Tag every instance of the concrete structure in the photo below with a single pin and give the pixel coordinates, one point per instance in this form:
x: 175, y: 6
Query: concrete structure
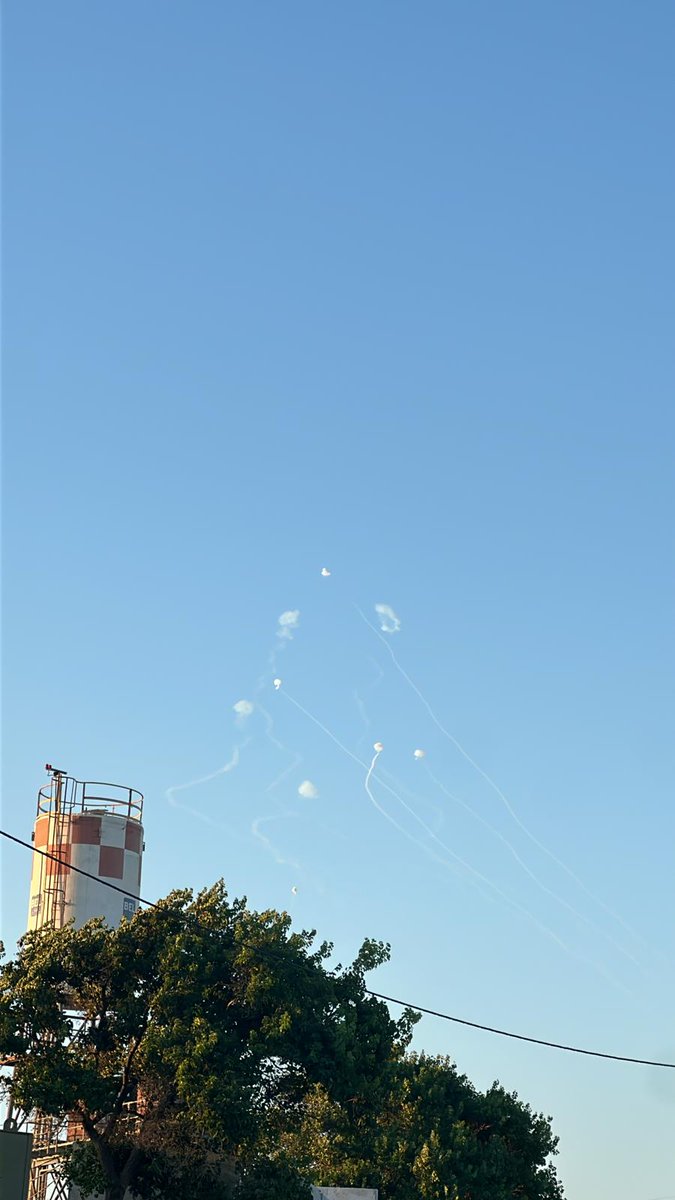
x: 15, y: 1151
x: 343, y: 1193
x: 95, y: 827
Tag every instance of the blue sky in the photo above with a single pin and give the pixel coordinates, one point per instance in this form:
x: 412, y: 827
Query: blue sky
x: 388, y: 289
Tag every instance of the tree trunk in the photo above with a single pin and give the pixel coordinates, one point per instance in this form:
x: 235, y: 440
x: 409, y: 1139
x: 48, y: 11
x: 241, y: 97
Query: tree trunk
x: 114, y: 1191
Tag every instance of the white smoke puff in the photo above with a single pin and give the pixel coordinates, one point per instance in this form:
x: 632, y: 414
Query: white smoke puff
x: 243, y: 708
x: 308, y: 789
x: 277, y: 684
x: 389, y: 622
x: 287, y: 622
x: 294, y: 891
x: 378, y: 747
x: 325, y: 572
x: 419, y: 753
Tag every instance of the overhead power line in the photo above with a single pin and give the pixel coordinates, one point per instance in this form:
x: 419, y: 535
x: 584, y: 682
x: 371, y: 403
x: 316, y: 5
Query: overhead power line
x: 520, y: 1037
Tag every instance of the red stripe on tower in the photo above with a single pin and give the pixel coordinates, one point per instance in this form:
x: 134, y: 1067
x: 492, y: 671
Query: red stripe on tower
x: 85, y: 830
x: 111, y: 862
x: 60, y: 850
x: 41, y: 832
x: 132, y: 837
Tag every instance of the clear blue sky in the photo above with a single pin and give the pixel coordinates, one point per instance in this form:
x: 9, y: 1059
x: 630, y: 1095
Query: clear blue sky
x: 386, y: 288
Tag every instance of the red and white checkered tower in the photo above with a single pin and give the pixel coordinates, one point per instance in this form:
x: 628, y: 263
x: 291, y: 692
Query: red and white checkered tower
x: 96, y: 827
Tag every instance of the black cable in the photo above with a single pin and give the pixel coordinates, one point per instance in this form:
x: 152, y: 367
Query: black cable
x: 521, y: 1037
x: 78, y: 870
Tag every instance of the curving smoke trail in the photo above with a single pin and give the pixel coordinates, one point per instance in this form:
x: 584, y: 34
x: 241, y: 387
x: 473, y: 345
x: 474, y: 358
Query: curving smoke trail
x: 229, y: 766
x: 528, y: 871
x: 269, y: 845
x: 495, y: 787
x: 283, y: 749
x: 360, y: 704
x: 448, y: 853
x: 182, y: 787
x: 369, y: 768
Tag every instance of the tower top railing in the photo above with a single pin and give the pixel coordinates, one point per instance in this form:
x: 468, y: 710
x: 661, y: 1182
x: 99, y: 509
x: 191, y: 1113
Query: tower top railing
x: 65, y: 796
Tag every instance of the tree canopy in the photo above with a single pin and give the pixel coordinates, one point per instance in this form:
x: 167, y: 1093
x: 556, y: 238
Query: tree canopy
x: 171, y: 1037
x: 435, y: 1137
x: 206, y: 1049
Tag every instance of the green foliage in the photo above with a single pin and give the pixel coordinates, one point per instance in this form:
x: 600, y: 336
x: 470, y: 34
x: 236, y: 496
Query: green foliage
x: 272, y: 1179
x: 435, y: 1137
x: 206, y: 1047
x: 180, y: 1173
x: 157, y: 1173
x: 221, y: 1019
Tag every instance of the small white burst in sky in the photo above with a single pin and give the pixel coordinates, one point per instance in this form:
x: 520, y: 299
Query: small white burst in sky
x: 287, y: 622
x: 419, y: 753
x: 325, y: 571
x: 277, y: 684
x: 378, y: 747
x: 294, y: 891
x: 308, y: 789
x: 389, y: 622
x: 243, y: 708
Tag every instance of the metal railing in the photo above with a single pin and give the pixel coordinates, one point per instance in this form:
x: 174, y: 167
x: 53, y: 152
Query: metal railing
x: 66, y: 795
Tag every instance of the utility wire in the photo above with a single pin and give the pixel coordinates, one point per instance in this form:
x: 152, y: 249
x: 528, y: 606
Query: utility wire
x: 521, y: 1037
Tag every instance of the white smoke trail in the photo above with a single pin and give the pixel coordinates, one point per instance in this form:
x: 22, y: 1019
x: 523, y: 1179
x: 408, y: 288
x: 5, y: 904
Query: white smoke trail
x: 415, y: 841
x: 207, y: 820
x: 360, y: 704
x: 427, y: 828
x: 283, y: 749
x: 287, y: 624
x: 229, y: 766
x: 269, y: 845
x: 285, y: 860
x: 535, y: 878
x: 284, y: 813
x: 491, y: 783
x: 514, y: 903
x: 345, y: 750
x: 437, y: 809
x: 366, y: 782
x: 364, y: 717
x: 194, y: 812
x: 383, y: 812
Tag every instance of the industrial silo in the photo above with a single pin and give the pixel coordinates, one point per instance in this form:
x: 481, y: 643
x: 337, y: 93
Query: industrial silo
x: 90, y: 827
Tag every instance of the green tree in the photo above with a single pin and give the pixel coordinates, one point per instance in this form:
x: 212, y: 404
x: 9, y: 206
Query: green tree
x: 434, y: 1137
x: 272, y: 1179
x: 180, y: 1037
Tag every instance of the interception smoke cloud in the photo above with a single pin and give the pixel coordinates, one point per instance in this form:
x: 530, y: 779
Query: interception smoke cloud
x: 389, y: 622
x: 243, y: 708
x: 308, y: 789
x: 287, y: 622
